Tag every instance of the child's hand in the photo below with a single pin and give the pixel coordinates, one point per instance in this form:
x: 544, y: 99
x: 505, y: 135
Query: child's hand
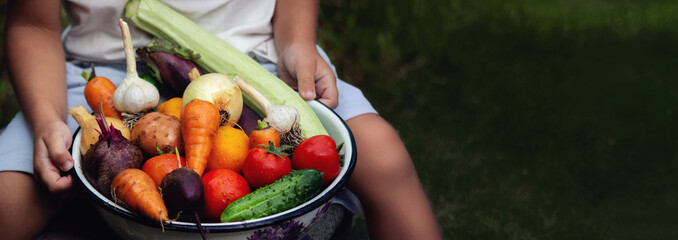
x: 52, y: 141
x: 302, y: 67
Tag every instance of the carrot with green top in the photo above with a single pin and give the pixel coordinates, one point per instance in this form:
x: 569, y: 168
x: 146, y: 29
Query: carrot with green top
x: 100, y: 90
x: 263, y: 134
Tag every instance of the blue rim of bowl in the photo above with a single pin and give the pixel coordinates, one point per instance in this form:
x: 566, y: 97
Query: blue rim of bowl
x: 247, y: 225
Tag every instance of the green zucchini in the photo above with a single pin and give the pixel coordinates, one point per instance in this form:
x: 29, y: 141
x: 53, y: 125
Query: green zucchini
x: 283, y: 194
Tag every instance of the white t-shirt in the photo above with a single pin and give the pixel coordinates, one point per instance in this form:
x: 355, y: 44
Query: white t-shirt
x: 93, y: 34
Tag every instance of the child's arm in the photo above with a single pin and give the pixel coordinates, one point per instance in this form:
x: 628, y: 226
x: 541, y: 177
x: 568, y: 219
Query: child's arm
x: 299, y: 63
x: 36, y: 64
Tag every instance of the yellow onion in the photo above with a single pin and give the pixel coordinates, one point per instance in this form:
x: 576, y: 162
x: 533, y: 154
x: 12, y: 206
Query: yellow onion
x: 221, y: 91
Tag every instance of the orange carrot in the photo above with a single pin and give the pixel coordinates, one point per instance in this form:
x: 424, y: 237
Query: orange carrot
x: 100, y: 90
x: 199, y: 124
x: 138, y: 192
x: 263, y: 134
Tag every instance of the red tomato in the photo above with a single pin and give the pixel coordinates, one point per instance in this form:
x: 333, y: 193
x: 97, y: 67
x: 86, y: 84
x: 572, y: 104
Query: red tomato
x: 320, y: 153
x: 264, y: 165
x: 222, y: 186
x: 159, y: 166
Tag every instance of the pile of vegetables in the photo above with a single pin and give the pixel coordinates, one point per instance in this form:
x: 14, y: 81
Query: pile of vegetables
x: 217, y: 151
x: 218, y: 56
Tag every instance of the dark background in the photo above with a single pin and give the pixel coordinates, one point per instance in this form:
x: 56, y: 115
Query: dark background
x: 526, y: 119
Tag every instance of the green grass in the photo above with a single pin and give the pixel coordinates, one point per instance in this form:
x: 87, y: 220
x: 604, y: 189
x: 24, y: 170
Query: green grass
x: 526, y: 119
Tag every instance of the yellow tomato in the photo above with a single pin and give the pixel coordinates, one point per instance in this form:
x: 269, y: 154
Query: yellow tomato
x: 171, y: 107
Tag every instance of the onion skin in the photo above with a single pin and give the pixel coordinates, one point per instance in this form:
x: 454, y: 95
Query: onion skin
x: 218, y: 89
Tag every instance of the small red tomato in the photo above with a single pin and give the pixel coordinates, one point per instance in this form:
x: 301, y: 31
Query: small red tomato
x: 222, y: 186
x: 264, y: 165
x: 320, y: 153
x: 159, y: 166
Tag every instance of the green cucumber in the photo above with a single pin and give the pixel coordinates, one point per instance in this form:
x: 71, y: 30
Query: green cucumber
x: 283, y: 194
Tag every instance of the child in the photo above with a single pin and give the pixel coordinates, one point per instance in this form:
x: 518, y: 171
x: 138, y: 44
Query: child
x: 45, y: 67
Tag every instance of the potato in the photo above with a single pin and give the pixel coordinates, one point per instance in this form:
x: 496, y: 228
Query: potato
x: 157, y: 129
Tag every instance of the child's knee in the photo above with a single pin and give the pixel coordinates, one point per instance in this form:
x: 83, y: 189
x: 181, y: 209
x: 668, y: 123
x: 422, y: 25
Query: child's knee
x: 381, y: 153
x: 26, y: 213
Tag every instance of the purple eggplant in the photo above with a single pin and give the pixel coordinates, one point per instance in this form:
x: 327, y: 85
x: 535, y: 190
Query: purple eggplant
x: 248, y: 119
x: 169, y: 63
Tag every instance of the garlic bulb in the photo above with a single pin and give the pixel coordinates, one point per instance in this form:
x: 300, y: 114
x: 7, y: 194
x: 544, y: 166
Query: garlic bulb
x: 134, y: 95
x: 284, y: 118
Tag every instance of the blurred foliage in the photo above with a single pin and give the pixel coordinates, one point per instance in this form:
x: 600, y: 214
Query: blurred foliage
x: 8, y: 104
x: 526, y: 119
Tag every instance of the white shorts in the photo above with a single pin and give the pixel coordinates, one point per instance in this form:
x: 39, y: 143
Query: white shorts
x: 16, y: 143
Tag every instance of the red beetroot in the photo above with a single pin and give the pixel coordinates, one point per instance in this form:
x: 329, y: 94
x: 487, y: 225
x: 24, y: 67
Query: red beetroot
x: 183, y: 192
x: 184, y: 195
x: 108, y: 157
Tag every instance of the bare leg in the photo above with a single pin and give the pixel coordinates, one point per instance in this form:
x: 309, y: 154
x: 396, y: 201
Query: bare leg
x: 387, y: 184
x: 23, y: 206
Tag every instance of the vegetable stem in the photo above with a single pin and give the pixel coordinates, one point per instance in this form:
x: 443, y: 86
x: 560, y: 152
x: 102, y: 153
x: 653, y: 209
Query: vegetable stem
x: 129, y: 50
x: 176, y: 151
x: 105, y: 128
x: 253, y: 93
x: 193, y: 74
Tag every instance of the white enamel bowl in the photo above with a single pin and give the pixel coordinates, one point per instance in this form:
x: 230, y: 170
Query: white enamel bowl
x: 129, y: 225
